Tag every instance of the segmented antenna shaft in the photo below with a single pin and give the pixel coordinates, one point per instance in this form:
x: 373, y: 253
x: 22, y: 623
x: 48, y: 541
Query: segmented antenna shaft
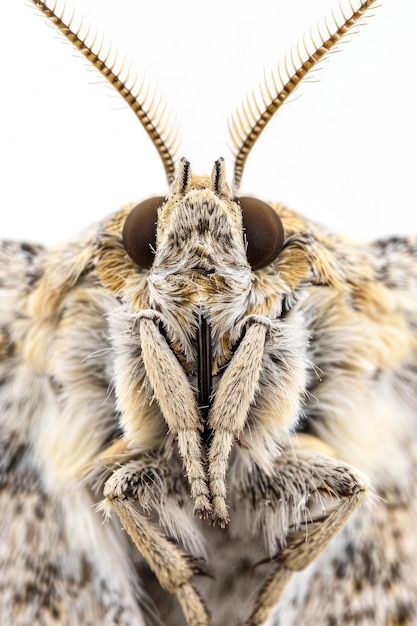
x: 163, y: 146
x: 249, y: 121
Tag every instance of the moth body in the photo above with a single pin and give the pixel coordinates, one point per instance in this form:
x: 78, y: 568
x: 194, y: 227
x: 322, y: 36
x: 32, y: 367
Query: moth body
x: 207, y: 407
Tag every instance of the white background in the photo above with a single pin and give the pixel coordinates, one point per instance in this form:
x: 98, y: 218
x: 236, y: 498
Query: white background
x: 343, y: 151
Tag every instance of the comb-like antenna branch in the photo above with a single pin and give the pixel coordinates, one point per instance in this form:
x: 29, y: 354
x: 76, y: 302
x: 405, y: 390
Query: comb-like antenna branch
x: 163, y: 140
x: 249, y: 120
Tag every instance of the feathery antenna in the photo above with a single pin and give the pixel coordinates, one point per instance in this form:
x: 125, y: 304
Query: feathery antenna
x: 251, y: 118
x: 145, y: 105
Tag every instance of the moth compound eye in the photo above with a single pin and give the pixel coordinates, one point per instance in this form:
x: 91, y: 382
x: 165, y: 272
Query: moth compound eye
x: 264, y: 232
x: 139, y: 231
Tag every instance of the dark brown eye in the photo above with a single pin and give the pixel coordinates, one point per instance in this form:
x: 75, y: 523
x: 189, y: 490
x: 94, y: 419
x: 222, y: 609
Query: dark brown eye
x: 264, y: 232
x: 139, y: 231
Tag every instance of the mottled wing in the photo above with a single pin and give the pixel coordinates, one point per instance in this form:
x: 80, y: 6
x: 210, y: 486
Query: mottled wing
x: 367, y: 574
x: 396, y: 261
x: 58, y: 563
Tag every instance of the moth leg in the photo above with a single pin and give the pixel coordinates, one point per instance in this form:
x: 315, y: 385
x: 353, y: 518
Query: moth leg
x: 179, y: 408
x: 316, y: 494
x: 234, y: 395
x: 173, y: 567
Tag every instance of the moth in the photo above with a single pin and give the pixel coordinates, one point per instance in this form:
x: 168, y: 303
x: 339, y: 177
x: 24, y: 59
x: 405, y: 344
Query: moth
x: 208, y: 402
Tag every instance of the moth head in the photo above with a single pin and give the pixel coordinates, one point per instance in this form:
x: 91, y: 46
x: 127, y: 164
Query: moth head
x: 262, y: 229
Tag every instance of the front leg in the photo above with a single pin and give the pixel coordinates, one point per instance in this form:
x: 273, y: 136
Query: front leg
x: 298, y: 510
x: 135, y: 484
